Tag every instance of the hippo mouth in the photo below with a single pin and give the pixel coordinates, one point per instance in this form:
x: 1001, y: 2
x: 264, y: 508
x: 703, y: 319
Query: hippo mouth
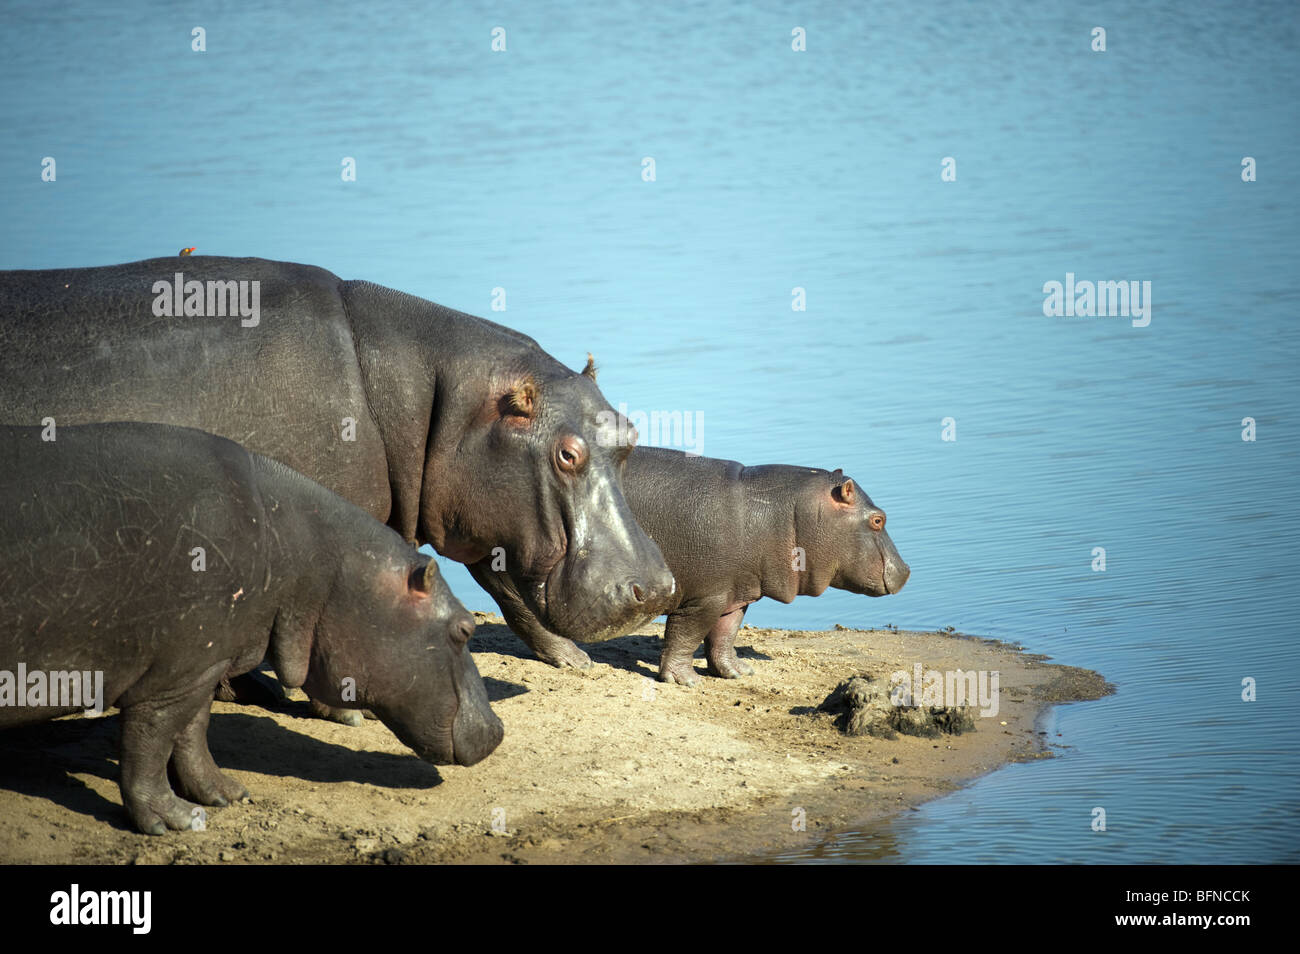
x: 874, y: 586
x: 885, y: 576
x: 618, y: 627
x: 471, y: 735
x: 463, y: 744
x: 440, y: 751
x: 448, y: 752
x: 537, y: 586
x: 879, y: 586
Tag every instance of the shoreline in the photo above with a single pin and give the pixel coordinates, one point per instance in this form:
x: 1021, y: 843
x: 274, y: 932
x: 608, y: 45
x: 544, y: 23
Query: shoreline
x: 605, y: 765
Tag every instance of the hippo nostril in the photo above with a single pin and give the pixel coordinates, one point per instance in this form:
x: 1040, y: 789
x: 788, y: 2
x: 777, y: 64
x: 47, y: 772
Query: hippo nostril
x: 638, y: 594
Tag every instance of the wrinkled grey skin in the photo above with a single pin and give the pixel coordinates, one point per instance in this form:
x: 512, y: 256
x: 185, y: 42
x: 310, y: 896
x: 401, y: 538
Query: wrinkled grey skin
x: 729, y: 534
x: 97, y: 573
x: 440, y: 453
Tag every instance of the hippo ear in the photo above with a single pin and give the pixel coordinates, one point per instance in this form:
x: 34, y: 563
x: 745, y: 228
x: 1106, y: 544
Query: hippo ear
x: 845, y: 493
x: 590, y: 369
x: 424, y: 579
x: 521, y: 400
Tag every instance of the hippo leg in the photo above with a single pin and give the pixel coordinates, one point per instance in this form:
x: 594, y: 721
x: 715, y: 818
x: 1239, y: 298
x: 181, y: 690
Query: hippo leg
x: 150, y: 729
x: 352, y: 717
x: 251, y: 689
x: 553, y: 649
x: 550, y: 647
x: 721, y: 651
x: 258, y: 689
x: 194, y: 773
x: 682, y: 636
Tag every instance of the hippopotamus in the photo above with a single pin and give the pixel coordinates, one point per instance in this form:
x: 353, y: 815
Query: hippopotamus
x: 732, y: 535
x: 455, y: 431
x: 155, y: 560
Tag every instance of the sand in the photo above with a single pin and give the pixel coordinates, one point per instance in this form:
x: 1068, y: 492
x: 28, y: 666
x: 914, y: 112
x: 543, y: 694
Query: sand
x: 605, y: 765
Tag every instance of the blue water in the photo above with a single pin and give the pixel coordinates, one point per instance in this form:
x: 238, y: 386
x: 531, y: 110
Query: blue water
x: 820, y: 169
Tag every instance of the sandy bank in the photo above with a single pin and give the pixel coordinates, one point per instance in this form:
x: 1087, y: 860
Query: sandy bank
x: 604, y: 765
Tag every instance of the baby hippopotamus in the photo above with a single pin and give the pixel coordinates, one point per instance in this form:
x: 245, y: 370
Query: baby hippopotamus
x: 732, y: 535
x: 141, y: 563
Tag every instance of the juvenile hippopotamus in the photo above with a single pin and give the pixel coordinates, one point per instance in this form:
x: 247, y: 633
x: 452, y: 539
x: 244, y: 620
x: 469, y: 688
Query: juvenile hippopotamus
x: 455, y: 431
x: 157, y: 560
x: 731, y: 535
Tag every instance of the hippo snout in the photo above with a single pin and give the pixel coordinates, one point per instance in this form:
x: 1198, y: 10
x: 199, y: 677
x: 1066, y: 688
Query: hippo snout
x: 476, y: 731
x: 896, y: 574
x: 636, y: 600
x: 649, y: 592
x: 476, y: 734
x: 625, y: 595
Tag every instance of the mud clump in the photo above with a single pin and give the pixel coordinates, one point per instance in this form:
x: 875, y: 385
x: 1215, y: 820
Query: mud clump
x: 863, y: 706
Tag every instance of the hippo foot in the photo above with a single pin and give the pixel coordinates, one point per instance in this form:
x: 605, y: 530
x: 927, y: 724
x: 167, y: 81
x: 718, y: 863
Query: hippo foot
x: 565, y: 657
x: 352, y: 717
x: 213, y: 787
x: 683, y: 673
x: 251, y: 689
x: 154, y: 816
x: 730, y: 667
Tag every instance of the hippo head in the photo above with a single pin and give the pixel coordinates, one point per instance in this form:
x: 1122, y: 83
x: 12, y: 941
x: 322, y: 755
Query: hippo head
x: 548, y: 519
x: 847, y: 539
x: 392, y: 632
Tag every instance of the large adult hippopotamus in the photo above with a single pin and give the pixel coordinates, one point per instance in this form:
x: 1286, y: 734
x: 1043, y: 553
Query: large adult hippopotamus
x: 140, y: 563
x: 453, y: 430
x: 732, y: 535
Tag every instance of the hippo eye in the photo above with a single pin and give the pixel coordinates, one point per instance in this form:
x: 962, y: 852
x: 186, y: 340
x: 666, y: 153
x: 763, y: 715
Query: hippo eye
x: 876, y: 521
x: 570, y: 454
